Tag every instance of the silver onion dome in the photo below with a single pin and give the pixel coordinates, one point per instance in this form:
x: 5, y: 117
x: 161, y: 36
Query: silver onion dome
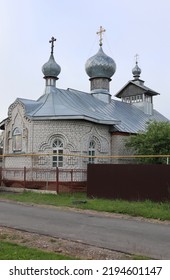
x: 136, y: 71
x: 51, y: 68
x: 100, y: 65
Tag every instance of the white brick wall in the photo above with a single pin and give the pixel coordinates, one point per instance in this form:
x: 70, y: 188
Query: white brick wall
x: 118, y: 148
x: 38, y: 137
x: 75, y: 136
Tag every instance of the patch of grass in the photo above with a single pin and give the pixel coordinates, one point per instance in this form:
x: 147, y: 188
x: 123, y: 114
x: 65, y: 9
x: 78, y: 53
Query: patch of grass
x: 63, y: 199
x: 10, y: 251
x: 147, y: 209
x: 136, y: 257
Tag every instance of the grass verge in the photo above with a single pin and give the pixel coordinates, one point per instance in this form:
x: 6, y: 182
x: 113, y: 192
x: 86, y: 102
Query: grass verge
x: 12, y: 251
x: 146, y: 209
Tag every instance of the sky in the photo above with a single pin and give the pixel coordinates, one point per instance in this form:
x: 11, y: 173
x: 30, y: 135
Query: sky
x: 132, y: 27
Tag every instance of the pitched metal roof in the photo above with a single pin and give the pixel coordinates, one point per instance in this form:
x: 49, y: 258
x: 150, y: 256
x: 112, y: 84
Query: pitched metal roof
x: 67, y: 104
x: 132, y: 118
x: 73, y: 104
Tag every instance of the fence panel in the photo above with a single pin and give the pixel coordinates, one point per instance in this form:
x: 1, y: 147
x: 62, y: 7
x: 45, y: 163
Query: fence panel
x: 48, y: 179
x: 129, y: 182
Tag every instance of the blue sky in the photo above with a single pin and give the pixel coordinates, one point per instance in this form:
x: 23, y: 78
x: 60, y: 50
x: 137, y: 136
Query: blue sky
x: 132, y: 27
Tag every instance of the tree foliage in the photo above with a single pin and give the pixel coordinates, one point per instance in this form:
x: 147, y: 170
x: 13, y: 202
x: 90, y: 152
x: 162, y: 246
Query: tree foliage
x: 154, y: 141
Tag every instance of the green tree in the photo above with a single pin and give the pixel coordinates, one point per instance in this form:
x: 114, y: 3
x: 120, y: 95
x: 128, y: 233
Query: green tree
x: 154, y: 141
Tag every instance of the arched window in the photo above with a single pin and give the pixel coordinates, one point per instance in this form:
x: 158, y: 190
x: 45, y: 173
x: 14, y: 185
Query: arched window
x: 92, y: 145
x: 58, y: 150
x: 17, y: 140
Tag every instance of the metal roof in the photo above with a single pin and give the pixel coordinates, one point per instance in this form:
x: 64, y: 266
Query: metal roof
x: 132, y: 118
x: 73, y: 104
x: 67, y: 104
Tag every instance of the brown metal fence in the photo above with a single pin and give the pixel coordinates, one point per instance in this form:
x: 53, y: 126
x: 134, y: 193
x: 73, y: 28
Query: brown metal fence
x: 60, y: 180
x: 129, y: 182
x: 100, y: 183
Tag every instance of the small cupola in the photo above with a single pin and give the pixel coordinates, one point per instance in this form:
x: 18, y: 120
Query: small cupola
x: 51, y: 69
x: 136, y: 71
x: 100, y: 68
x: 136, y: 93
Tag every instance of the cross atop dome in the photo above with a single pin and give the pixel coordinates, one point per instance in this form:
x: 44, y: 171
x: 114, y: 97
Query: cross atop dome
x: 136, y: 58
x: 51, y: 69
x: 100, y: 33
x: 136, y: 71
x: 100, y: 68
x: 52, y: 44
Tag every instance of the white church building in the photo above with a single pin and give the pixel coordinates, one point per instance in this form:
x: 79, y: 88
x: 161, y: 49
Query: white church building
x: 69, y: 124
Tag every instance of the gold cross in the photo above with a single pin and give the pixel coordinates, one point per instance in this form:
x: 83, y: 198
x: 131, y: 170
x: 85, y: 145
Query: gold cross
x: 52, y: 43
x: 102, y: 30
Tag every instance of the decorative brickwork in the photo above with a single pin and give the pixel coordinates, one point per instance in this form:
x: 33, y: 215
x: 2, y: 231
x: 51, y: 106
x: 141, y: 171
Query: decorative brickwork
x: 38, y: 138
x: 119, y: 149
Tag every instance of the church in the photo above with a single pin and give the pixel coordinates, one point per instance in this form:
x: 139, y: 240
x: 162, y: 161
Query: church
x: 69, y: 128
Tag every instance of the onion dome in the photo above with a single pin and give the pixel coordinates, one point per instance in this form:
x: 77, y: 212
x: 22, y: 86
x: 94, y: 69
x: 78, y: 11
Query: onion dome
x: 136, y: 71
x: 51, y: 68
x: 100, y: 65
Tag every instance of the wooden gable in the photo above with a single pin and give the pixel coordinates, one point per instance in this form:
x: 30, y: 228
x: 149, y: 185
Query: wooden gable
x: 130, y: 90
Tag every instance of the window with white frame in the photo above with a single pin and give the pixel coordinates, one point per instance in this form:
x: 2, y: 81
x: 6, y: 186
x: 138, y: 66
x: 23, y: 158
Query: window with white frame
x: 17, y: 140
x: 127, y: 99
x: 57, y: 159
x: 139, y: 98
x: 92, y: 151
